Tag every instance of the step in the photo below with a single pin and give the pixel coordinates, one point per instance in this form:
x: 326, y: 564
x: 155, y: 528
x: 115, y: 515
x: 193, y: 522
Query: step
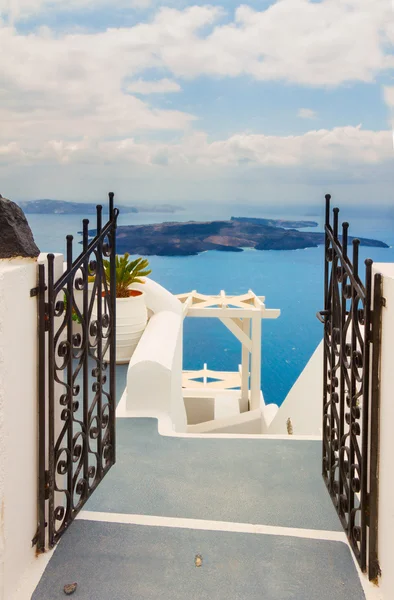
x: 248, y: 423
x: 226, y: 405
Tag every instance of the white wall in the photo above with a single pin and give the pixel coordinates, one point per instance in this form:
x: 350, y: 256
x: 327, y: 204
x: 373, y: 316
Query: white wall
x: 18, y: 421
x: 303, y: 404
x: 154, y: 376
x: 386, y: 454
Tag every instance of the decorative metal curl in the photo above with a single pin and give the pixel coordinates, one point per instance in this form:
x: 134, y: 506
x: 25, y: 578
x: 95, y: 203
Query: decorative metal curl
x: 347, y: 365
x: 79, y: 341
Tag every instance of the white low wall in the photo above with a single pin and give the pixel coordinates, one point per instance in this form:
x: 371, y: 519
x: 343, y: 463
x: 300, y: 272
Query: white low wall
x: 158, y: 298
x: 154, y: 376
x: 303, y: 404
x: 386, y: 451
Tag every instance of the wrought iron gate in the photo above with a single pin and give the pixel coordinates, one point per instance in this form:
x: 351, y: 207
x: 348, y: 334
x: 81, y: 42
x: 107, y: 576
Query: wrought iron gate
x: 352, y: 324
x: 76, y: 377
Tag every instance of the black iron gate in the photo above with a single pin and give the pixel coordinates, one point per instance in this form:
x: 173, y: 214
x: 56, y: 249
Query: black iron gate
x: 76, y: 377
x: 352, y: 324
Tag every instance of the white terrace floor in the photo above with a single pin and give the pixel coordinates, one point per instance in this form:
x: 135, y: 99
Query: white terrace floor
x: 255, y: 510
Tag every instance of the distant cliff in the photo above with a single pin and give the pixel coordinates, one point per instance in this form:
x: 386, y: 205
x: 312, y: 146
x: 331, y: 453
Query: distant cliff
x: 277, y: 222
x: 188, y: 239
x: 60, y: 207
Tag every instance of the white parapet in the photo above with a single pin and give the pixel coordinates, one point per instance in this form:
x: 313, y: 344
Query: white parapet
x: 386, y: 446
x: 158, y: 298
x: 154, y: 377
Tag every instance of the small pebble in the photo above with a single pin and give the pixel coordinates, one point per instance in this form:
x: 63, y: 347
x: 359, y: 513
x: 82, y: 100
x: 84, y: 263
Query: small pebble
x: 70, y: 588
x: 198, y: 560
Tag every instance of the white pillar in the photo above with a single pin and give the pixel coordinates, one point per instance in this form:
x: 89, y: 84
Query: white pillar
x: 386, y: 448
x: 18, y: 420
x: 245, y: 365
x: 255, y: 369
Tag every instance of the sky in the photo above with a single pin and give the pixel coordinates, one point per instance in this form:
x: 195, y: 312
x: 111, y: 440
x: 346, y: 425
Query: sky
x: 262, y: 102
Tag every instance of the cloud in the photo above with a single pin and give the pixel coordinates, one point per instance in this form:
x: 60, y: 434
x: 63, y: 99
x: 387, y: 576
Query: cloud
x: 307, y: 113
x: 163, y: 86
x: 66, y: 98
x: 72, y: 85
x: 317, y: 44
x: 341, y: 147
x: 18, y: 10
x: 388, y: 94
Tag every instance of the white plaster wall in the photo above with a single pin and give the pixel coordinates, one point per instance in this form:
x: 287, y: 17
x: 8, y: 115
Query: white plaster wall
x: 158, y: 298
x: 154, y: 377
x: 199, y: 410
x: 248, y: 423
x: 303, y: 404
x: 18, y: 421
x: 386, y: 454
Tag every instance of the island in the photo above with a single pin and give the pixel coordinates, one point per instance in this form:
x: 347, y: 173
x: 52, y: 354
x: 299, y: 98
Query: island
x: 277, y: 222
x: 60, y: 207
x: 192, y: 238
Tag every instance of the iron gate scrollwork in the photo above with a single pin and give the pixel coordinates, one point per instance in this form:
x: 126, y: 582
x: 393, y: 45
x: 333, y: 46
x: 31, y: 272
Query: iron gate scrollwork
x: 351, y: 320
x: 77, y: 328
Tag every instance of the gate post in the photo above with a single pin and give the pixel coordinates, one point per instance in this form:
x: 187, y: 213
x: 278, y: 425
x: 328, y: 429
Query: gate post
x: 383, y: 475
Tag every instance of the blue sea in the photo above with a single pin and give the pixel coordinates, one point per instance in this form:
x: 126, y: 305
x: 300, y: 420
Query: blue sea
x: 290, y: 280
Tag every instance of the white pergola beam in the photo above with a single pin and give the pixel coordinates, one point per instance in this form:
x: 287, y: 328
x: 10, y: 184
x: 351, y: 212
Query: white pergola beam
x: 187, y: 304
x: 271, y: 313
x: 238, y: 332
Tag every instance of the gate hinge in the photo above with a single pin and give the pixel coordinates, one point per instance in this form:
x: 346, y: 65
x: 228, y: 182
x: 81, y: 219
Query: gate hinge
x: 46, y: 485
x: 36, y: 290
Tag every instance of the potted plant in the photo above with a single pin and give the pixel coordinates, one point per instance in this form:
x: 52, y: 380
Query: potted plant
x: 131, y: 309
x: 77, y: 326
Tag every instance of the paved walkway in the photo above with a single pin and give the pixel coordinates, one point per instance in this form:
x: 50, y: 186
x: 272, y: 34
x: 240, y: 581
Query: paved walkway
x: 130, y: 562
x: 272, y: 482
x: 169, y: 499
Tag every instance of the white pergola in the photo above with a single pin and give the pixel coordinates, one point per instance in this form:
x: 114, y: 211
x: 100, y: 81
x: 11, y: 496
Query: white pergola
x: 242, y: 315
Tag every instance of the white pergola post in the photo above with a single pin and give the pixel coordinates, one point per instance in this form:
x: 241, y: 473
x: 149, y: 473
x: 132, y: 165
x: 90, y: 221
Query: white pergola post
x: 245, y: 364
x: 255, y: 368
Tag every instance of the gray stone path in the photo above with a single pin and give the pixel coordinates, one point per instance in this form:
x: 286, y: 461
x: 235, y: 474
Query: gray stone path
x: 269, y: 482
x: 131, y: 562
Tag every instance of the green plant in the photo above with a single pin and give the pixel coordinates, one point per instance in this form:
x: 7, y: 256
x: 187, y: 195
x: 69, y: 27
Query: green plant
x: 127, y: 273
x: 74, y: 314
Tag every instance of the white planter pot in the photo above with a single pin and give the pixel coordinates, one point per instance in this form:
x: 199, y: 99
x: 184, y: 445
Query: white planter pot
x: 131, y: 320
